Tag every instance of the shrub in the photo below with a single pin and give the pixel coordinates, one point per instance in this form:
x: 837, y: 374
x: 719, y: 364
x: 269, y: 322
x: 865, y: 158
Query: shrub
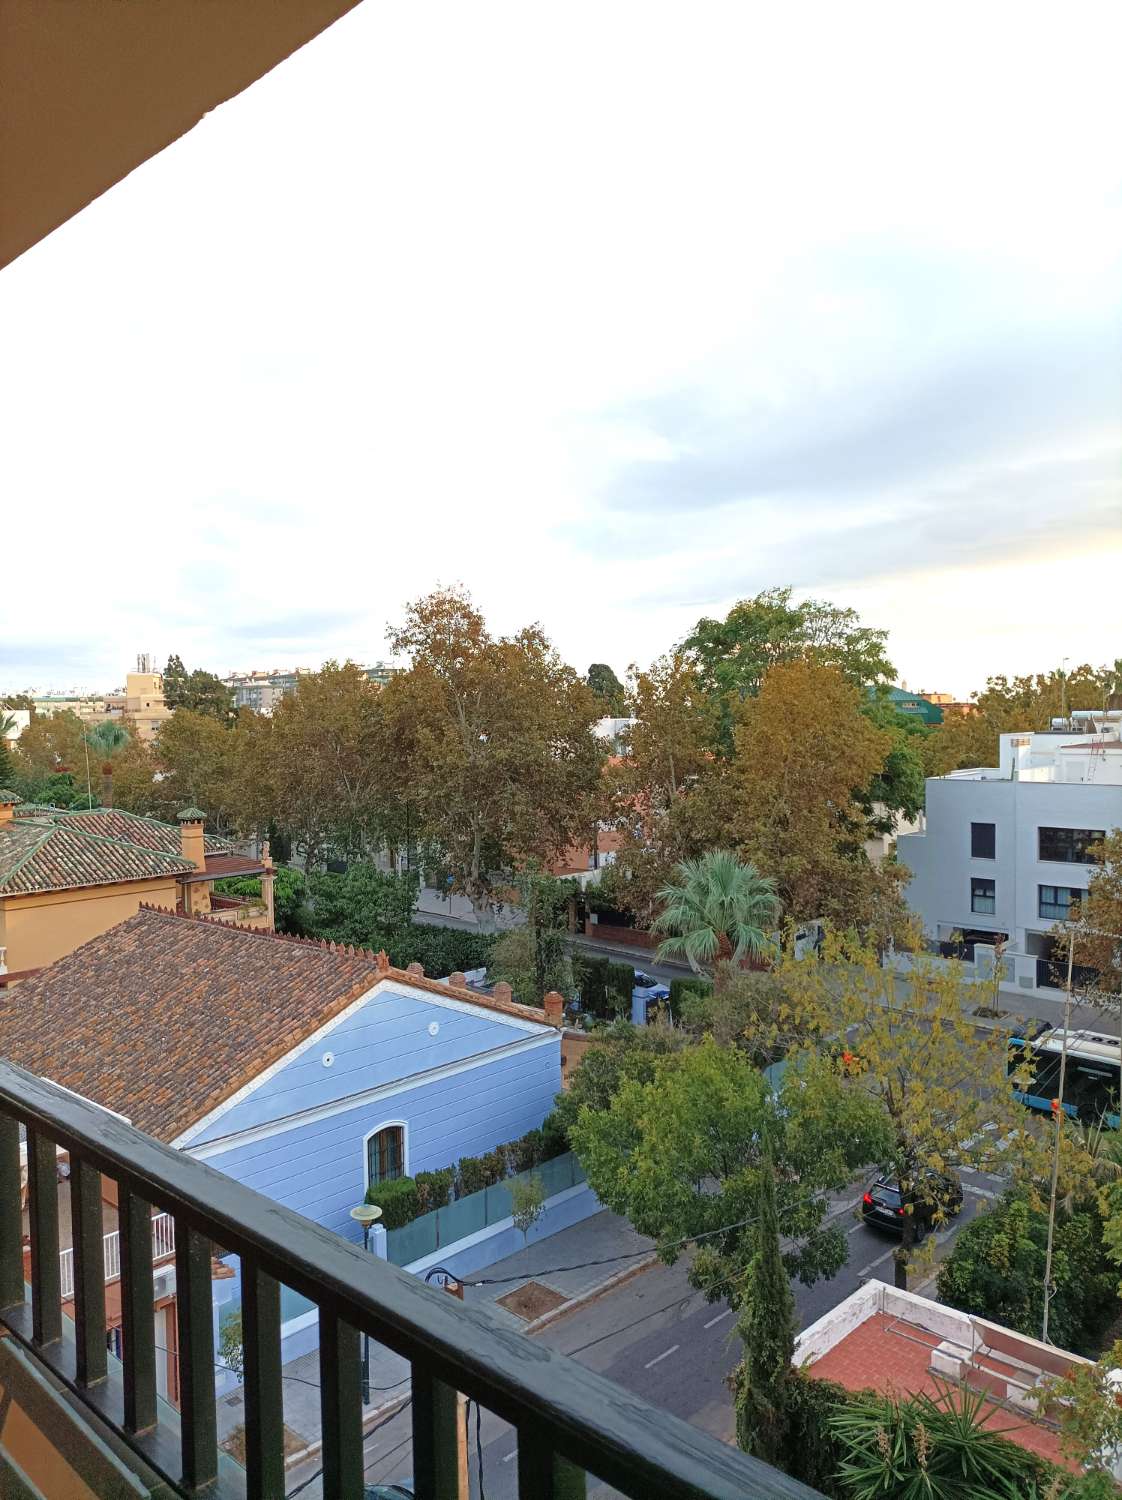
x: 495, y: 1165
x: 680, y: 988
x: 526, y: 1152
x: 936, y: 1446
x: 555, y: 1138
x: 434, y: 1189
x: 398, y: 1200
x: 471, y: 1176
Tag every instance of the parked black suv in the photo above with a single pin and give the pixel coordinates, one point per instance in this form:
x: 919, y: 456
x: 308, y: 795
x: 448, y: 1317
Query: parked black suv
x: 883, y: 1206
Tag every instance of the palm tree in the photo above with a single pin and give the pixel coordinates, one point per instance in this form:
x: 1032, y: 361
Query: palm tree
x: 718, y: 909
x: 104, y: 739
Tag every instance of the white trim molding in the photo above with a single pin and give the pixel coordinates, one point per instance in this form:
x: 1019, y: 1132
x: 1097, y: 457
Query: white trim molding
x: 395, y: 987
x: 251, y: 1133
x: 403, y: 1126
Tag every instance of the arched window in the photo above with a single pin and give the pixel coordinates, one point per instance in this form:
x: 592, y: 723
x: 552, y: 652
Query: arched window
x: 385, y: 1154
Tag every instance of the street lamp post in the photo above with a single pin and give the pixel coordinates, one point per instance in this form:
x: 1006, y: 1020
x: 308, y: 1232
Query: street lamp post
x: 366, y: 1214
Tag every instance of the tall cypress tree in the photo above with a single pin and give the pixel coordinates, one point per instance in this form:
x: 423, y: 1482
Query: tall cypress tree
x: 767, y: 1328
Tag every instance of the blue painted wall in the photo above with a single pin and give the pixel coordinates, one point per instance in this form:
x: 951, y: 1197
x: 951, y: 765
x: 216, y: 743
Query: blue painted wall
x: 318, y: 1167
x: 385, y: 1040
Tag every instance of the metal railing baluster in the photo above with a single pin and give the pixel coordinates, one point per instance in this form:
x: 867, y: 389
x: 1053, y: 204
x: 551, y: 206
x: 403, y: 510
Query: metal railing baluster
x: 340, y: 1395
x: 264, y: 1396
x: 11, y: 1215
x: 198, y: 1417
x: 138, y: 1329
x: 89, y: 1272
x: 46, y: 1276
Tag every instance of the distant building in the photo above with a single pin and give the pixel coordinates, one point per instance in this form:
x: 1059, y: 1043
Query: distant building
x: 1006, y: 848
x: 142, y: 702
x: 261, y: 691
x: 912, y: 704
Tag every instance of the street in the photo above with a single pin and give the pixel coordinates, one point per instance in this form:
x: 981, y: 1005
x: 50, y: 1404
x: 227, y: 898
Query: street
x: 657, y: 1337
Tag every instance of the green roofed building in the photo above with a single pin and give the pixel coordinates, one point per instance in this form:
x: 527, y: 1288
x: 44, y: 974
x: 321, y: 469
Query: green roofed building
x: 911, y: 703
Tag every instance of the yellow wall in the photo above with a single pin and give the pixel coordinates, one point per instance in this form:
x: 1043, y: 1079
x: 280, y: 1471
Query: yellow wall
x: 37, y: 929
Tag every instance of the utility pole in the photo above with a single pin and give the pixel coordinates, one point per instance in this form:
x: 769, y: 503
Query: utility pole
x: 1058, y: 1111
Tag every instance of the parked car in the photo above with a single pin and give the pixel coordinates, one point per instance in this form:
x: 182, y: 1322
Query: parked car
x: 647, y: 988
x: 402, y: 1491
x: 883, y: 1205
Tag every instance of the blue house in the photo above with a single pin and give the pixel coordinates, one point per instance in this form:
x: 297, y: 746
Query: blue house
x: 306, y: 1071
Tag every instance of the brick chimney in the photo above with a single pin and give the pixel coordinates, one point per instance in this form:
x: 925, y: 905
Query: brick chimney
x: 554, y: 1005
x: 8, y: 802
x: 196, y: 893
x: 267, y: 880
x: 107, y: 784
x: 191, y: 821
x: 502, y: 992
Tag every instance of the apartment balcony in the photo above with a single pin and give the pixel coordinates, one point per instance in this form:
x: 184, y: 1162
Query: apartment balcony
x: 76, y: 1421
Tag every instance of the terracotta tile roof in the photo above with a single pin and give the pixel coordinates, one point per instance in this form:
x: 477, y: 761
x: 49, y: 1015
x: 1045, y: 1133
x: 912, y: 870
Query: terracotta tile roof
x: 40, y: 854
x: 114, y: 823
x: 163, y: 1017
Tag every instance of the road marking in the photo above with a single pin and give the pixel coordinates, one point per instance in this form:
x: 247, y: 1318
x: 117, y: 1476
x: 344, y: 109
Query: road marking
x: 666, y: 1353
x: 507, y: 1458
x: 712, y: 1323
x: 864, y: 1271
x: 859, y: 1225
x: 978, y: 1192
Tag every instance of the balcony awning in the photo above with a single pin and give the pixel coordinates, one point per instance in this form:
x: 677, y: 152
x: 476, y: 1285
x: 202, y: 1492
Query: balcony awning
x: 89, y: 90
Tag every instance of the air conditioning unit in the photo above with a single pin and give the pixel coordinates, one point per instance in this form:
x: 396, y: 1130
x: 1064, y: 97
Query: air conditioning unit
x: 163, y: 1284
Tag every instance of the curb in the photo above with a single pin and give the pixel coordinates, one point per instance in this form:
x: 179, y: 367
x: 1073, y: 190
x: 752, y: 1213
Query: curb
x: 370, y: 1419
x: 617, y: 1278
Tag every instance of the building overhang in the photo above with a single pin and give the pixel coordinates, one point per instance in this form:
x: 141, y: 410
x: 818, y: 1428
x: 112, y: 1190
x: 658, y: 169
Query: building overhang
x: 90, y: 89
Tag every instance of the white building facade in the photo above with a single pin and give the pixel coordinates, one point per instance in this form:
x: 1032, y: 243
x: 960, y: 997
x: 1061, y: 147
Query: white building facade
x: 1005, y: 850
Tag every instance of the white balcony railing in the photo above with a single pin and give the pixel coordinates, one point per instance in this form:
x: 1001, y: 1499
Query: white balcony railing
x: 163, y: 1245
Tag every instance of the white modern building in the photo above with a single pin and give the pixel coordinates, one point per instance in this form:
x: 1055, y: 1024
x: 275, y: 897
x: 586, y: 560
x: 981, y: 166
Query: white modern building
x: 1005, y: 850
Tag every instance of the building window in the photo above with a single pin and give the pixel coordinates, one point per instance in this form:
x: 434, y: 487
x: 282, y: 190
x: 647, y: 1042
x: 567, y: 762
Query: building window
x: 1055, y: 901
x: 983, y: 840
x: 1069, y: 846
x: 385, y: 1154
x: 982, y: 896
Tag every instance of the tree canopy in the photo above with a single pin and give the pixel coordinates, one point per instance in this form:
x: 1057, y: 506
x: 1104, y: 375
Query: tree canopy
x: 607, y: 687
x: 909, y: 1045
x: 200, y: 692
x: 681, y: 1152
x: 490, y: 739
x: 733, y: 655
x: 805, y: 757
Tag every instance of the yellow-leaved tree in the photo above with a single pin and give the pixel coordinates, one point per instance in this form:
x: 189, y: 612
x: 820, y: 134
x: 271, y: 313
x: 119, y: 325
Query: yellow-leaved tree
x: 912, y: 1044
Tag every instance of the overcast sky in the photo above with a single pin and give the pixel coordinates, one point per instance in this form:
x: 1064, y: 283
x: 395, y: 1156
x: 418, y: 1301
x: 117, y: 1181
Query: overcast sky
x: 614, y: 313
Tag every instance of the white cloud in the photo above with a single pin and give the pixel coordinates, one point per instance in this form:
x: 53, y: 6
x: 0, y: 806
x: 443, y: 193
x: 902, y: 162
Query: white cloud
x: 403, y: 311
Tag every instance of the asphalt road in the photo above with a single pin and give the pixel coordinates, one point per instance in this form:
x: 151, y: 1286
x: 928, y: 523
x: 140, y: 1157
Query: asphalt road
x: 658, y: 1338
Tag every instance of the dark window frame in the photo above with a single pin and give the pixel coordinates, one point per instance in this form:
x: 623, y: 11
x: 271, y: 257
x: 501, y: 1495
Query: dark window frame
x: 1067, y: 846
x: 1056, y: 911
x: 991, y: 840
x: 385, y: 1155
x: 977, y: 894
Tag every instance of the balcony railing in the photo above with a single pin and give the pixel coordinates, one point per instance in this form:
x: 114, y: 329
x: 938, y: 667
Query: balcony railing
x: 570, y: 1421
x: 163, y: 1246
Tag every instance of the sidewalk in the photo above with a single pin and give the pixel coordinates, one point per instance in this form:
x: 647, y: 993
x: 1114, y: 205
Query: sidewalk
x: 603, y: 1236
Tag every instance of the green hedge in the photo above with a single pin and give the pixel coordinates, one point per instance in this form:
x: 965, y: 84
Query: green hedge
x: 606, y: 988
x: 679, y: 988
x: 405, y: 1198
x: 398, y: 1199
